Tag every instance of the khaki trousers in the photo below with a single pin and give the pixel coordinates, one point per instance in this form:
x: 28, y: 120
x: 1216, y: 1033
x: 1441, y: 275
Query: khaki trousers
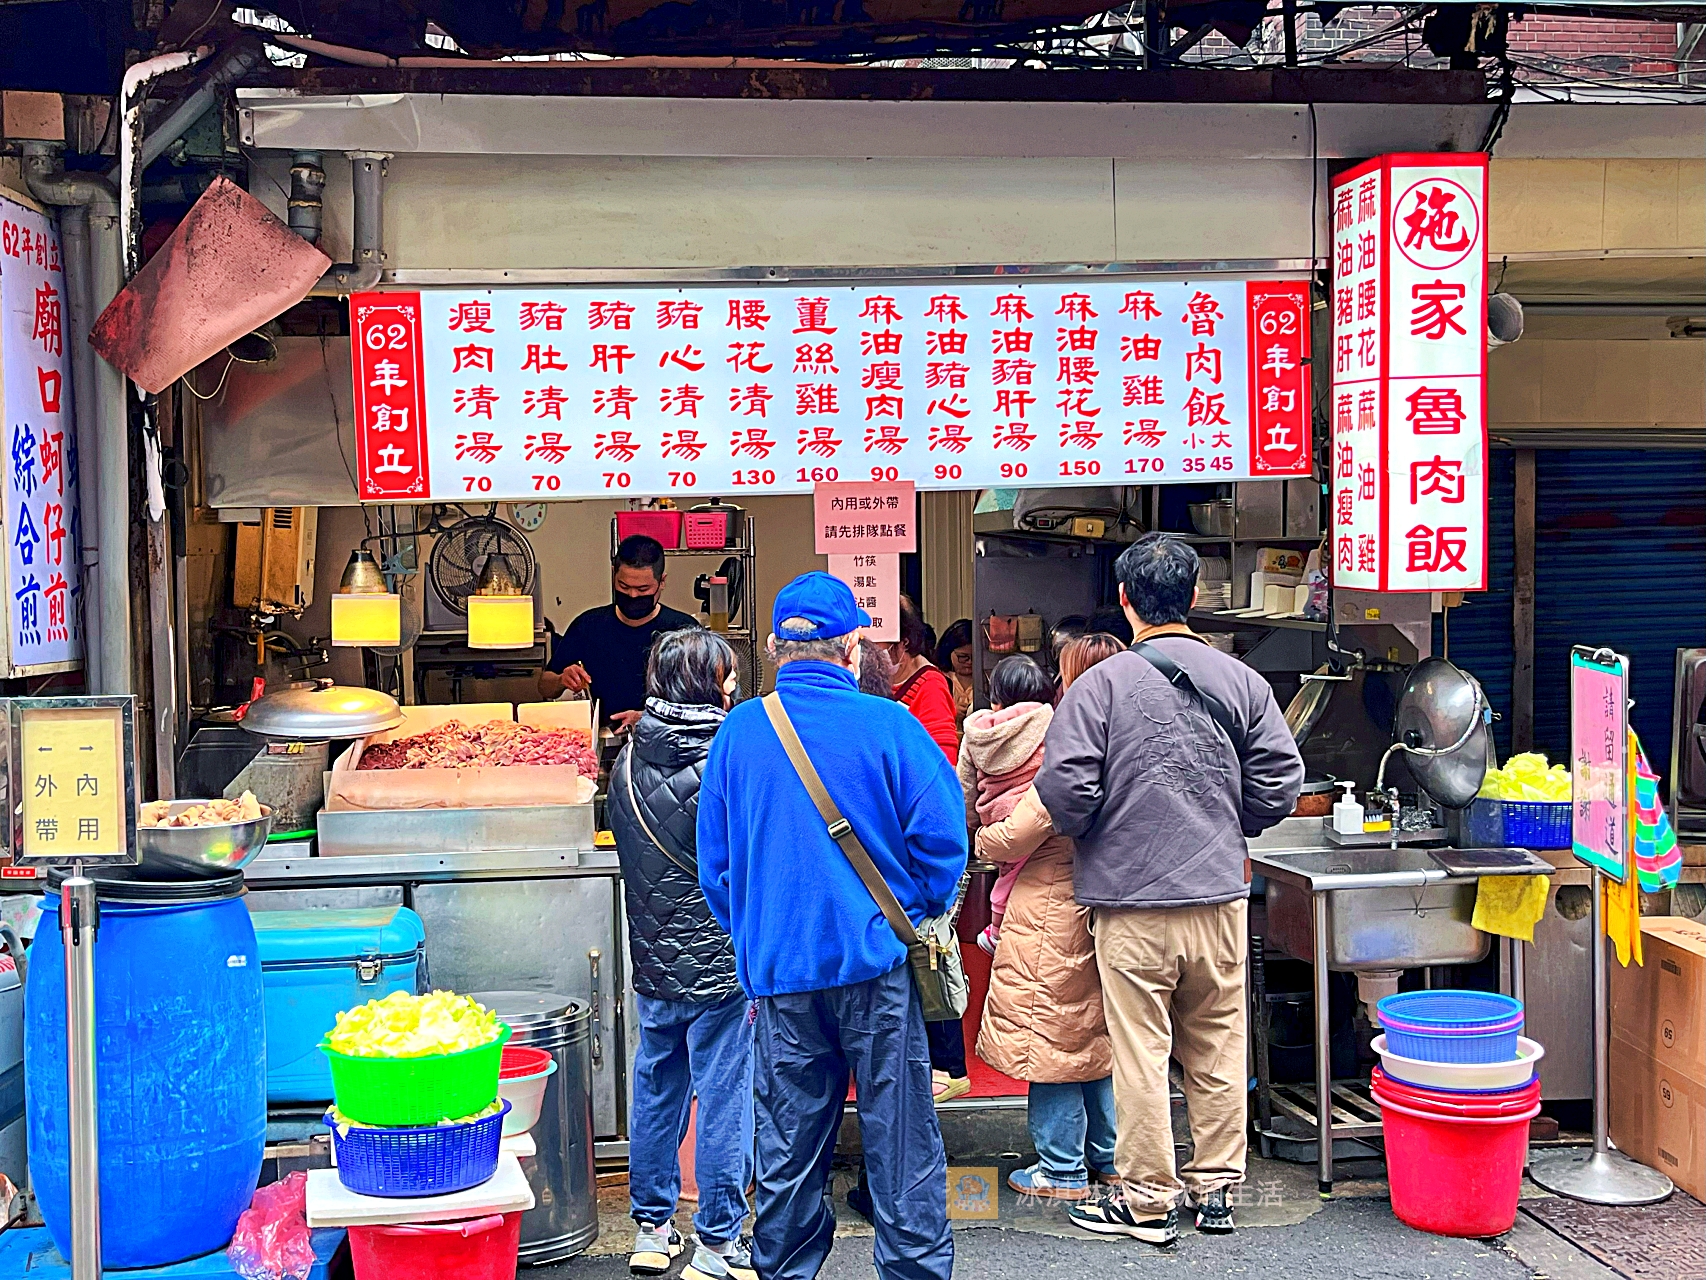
x: 1173, y: 985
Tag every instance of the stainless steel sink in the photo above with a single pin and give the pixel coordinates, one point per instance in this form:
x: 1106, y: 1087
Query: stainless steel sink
x: 1386, y: 908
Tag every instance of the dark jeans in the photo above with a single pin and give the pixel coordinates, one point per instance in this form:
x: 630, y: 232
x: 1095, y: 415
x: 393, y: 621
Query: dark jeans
x: 806, y: 1047
x: 947, y: 1047
x: 687, y: 1049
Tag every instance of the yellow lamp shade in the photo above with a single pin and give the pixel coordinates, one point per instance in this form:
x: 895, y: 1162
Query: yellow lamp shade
x: 366, y: 618
x: 500, y: 622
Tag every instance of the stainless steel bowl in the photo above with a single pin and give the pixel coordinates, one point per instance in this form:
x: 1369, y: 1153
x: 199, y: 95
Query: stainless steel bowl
x: 204, y: 852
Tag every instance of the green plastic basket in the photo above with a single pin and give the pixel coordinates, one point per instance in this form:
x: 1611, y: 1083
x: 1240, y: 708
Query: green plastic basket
x: 397, y: 1092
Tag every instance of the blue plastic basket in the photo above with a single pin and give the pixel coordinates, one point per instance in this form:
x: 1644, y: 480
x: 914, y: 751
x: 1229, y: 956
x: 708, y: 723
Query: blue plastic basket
x: 429, y: 1160
x: 1450, y: 1010
x: 1537, y: 824
x: 1451, y: 1026
x: 1523, y: 824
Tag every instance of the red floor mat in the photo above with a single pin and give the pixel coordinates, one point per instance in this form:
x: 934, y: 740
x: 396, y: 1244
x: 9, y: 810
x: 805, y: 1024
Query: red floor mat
x: 986, y: 1081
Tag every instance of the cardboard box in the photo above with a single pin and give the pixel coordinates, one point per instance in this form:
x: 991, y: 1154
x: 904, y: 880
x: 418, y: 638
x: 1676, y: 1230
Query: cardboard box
x: 1658, y: 1116
x: 1659, y: 1008
x: 350, y: 788
x: 1279, y: 560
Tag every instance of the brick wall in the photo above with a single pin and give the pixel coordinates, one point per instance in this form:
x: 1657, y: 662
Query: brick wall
x: 1603, y: 44
x: 1591, y: 46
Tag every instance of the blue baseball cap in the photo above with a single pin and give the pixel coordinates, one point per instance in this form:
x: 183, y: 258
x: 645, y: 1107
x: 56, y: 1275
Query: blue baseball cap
x: 825, y: 602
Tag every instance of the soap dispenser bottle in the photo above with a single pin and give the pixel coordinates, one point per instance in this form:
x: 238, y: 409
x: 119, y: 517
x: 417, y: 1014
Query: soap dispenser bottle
x: 1347, y: 813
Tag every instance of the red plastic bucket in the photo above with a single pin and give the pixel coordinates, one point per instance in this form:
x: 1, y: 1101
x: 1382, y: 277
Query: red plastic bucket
x: 478, y: 1249
x: 1447, y: 1102
x: 1454, y: 1175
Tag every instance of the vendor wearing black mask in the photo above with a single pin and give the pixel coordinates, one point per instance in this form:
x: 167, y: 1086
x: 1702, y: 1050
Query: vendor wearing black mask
x: 605, y: 648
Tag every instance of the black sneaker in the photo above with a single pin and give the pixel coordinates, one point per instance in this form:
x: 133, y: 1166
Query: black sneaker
x: 1113, y: 1217
x: 1214, y: 1213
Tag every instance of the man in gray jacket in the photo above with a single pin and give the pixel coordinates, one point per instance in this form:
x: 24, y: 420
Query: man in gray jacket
x: 1160, y: 761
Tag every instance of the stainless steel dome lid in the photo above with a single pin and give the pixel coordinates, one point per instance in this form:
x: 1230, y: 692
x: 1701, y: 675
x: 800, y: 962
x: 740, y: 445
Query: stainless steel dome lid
x: 1441, y: 722
x: 318, y: 711
x: 522, y: 1009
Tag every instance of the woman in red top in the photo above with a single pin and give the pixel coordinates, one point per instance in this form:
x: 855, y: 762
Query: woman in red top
x: 920, y: 683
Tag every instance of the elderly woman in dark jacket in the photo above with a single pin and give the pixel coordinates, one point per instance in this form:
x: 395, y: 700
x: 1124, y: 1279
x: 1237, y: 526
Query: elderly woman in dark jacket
x: 695, y: 1038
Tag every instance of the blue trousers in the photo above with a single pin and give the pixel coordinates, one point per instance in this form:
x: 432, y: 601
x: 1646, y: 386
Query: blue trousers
x: 1072, y: 1127
x: 687, y: 1049
x: 806, y: 1046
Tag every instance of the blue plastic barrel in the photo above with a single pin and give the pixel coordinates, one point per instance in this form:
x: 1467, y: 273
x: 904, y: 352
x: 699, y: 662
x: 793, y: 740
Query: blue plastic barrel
x: 181, y: 1068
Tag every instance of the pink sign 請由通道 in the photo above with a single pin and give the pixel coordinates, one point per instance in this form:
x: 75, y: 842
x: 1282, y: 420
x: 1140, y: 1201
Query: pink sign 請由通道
x: 569, y: 392
x: 1599, y: 762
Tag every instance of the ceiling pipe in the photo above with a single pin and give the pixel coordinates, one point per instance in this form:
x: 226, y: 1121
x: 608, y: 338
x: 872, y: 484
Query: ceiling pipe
x: 232, y: 65
x: 90, y: 228
x: 132, y: 93
x: 384, y: 61
x: 367, y: 241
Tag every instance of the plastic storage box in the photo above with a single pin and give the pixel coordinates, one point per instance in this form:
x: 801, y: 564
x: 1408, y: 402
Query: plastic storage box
x: 707, y: 530
x: 314, y: 965
x: 665, y: 526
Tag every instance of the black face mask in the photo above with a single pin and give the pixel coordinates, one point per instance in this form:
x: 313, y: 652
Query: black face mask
x: 636, y: 607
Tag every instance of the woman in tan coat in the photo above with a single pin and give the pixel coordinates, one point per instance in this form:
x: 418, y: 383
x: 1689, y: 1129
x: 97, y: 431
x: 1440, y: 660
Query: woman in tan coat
x: 1043, y: 1020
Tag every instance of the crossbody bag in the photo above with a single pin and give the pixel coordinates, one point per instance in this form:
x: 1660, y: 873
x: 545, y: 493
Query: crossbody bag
x: 933, y: 947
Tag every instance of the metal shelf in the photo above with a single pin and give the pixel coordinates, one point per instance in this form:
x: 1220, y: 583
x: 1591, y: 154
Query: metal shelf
x: 1197, y: 538
x: 1283, y: 624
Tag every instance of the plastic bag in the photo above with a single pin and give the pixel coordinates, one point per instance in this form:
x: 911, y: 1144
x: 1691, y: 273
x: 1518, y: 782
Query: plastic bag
x: 272, y: 1241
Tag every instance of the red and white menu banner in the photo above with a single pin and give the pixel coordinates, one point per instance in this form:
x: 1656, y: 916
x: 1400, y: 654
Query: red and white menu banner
x: 1409, y: 414
x: 520, y: 393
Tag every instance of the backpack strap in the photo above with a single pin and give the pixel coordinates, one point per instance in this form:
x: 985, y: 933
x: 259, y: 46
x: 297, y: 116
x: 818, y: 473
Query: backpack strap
x: 1180, y: 679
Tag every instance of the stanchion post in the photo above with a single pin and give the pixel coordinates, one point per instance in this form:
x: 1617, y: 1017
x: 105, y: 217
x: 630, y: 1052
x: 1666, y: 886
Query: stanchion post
x: 1599, y: 1175
x: 79, y: 922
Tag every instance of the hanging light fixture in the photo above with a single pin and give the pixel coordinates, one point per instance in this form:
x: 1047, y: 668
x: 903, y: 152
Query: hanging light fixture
x: 500, y: 615
x: 363, y: 611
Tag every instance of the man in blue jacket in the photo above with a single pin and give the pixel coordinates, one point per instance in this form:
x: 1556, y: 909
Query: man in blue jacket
x: 813, y: 949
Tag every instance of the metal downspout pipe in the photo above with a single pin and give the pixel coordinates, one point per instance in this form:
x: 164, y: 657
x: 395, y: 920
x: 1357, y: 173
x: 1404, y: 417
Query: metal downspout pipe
x: 131, y: 145
x: 134, y: 154
x: 97, y: 398
x: 367, y: 242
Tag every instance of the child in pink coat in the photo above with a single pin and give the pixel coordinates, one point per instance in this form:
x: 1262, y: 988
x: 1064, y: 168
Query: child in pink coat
x: 999, y: 756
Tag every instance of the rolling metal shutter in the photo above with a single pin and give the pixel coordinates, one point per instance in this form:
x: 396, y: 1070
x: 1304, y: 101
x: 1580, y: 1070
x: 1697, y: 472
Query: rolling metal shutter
x: 1620, y: 560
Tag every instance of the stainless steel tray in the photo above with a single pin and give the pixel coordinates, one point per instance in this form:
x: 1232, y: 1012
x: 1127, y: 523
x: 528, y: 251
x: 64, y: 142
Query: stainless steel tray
x: 375, y: 832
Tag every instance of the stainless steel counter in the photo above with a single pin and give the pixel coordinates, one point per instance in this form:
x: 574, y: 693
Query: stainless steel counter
x: 540, y: 919
x: 301, y: 870
x: 1360, y: 910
